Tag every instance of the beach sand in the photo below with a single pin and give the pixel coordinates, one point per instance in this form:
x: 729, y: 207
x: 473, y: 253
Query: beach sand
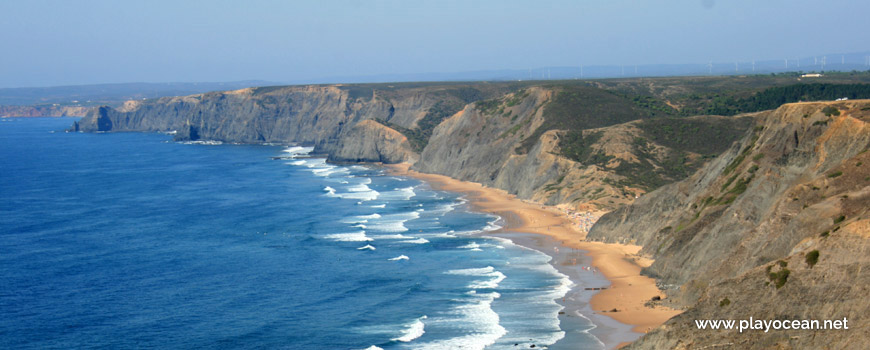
x: 618, y: 263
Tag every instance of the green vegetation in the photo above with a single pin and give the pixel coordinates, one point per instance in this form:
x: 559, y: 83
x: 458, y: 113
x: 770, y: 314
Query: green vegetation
x: 729, y: 181
x: 812, y: 258
x: 652, y: 172
x: 359, y: 92
x: 831, y: 110
x: 839, y: 219
x: 835, y: 174
x: 654, y: 107
x: 488, y: 106
x: 578, y: 148
x: 773, y: 97
x: 758, y: 156
x: 704, y: 136
x: 582, y: 107
x: 779, y: 278
x: 825, y: 234
x: 739, y: 159
x: 724, y: 302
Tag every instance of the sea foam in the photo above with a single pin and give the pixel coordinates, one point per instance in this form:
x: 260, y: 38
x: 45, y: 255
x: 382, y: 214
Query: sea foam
x: 413, y: 331
x: 349, y: 237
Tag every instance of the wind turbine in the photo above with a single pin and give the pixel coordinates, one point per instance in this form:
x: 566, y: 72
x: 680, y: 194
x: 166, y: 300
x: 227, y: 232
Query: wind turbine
x: 710, y: 68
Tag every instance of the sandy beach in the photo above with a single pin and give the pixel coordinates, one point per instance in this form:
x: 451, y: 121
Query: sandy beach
x: 619, y: 264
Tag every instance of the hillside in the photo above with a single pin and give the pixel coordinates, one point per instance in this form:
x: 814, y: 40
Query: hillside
x: 774, y: 228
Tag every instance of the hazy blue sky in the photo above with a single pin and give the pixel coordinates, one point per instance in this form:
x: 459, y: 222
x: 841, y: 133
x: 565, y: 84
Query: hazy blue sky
x: 81, y: 42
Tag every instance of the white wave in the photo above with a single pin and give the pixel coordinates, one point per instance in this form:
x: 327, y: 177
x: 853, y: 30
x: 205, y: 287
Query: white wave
x: 491, y: 284
x: 206, y: 142
x: 330, y: 192
x: 448, y: 234
x: 379, y: 206
x: 373, y: 348
x: 399, y: 194
x: 400, y: 257
x: 416, y: 241
x: 297, y: 162
x: 389, y: 226
x: 359, y: 225
x: 472, y: 245
x: 393, y: 222
x: 492, y: 227
x: 359, y: 188
x: 349, y: 237
x: 366, y: 247
x: 315, y: 162
x: 488, y: 271
x: 370, y: 216
x: 296, y: 150
x: 396, y: 236
x: 413, y: 331
x: 444, y: 208
x: 324, y: 172
x: 482, y: 271
x: 369, y: 195
x: 475, y: 319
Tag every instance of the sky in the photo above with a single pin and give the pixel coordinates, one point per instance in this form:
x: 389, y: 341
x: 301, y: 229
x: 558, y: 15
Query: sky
x: 49, y: 43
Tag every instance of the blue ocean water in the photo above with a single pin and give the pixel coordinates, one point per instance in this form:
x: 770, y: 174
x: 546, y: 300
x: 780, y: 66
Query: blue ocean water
x: 133, y: 241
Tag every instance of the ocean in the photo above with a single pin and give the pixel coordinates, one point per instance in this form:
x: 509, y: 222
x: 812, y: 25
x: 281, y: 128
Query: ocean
x: 130, y: 240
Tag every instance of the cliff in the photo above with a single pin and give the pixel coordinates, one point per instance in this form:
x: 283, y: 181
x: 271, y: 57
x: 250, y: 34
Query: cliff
x: 43, y: 111
x: 774, y: 228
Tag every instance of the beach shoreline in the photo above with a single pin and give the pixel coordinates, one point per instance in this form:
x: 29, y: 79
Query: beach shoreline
x: 623, y: 288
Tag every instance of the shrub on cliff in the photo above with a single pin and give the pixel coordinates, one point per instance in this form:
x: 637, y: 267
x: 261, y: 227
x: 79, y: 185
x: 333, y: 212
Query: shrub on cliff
x: 812, y: 258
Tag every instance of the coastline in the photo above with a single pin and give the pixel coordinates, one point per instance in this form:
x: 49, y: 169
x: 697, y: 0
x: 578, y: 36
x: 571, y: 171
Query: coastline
x: 553, y: 233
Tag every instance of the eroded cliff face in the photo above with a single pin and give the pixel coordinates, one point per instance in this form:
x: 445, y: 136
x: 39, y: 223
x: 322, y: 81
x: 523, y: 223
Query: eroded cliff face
x: 324, y: 116
x: 369, y: 140
x: 745, y: 229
